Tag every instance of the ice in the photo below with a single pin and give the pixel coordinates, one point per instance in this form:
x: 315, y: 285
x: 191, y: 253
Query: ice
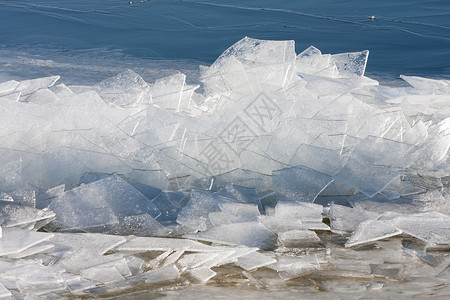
x: 256, y: 153
x: 15, y: 240
x: 100, y: 203
x: 346, y: 219
x: 27, y: 87
x: 195, y: 213
x: 173, y: 93
x: 12, y: 214
x: 143, y: 244
x: 427, y: 84
x: 126, y: 89
x: 299, y: 239
x: 255, y: 260
x: 369, y: 170
x: 294, y: 215
x: 351, y: 64
x: 8, y: 87
x: 250, y: 234
x: 234, y: 213
x: 299, y: 184
x: 202, y: 274
x: 161, y: 274
x: 4, y: 292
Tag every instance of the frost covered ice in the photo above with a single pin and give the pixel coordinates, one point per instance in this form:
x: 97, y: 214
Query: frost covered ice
x: 270, y: 167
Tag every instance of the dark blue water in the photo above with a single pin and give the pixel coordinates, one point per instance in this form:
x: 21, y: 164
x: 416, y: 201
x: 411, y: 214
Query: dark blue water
x: 406, y: 37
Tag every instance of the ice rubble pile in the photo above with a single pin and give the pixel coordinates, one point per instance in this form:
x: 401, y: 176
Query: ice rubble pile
x: 245, y: 158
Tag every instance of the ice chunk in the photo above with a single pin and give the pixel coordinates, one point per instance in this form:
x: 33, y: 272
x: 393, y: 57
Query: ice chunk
x: 173, y: 93
x: 142, y: 225
x: 198, y: 260
x: 94, y: 242
x: 323, y: 160
x: 300, y: 239
x: 250, y: 234
x: 421, y: 83
x: 126, y: 89
x: 143, y: 244
x: 295, y: 215
x: 27, y: 87
x: 370, y: 170
x: 103, y: 202
x: 103, y: 274
x: 351, y: 64
x: 62, y: 91
x: 8, y: 87
x: 15, y: 240
x: 372, y: 230
x: 84, y: 258
x: 254, y: 260
x: 12, y: 214
x: 250, y: 66
x: 292, y: 267
x: 162, y: 274
x: 311, y: 61
x: 195, y: 213
x: 41, y: 96
x: 299, y: 184
x: 234, y: 213
x: 39, y: 248
x: 345, y: 219
x: 202, y: 274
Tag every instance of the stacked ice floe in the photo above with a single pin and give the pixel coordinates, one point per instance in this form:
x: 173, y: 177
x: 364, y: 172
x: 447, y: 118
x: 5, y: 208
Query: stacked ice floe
x: 245, y: 161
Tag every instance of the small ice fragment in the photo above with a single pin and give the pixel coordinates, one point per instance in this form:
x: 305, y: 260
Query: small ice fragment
x: 198, y: 260
x: 102, y: 274
x: 15, y: 240
x: 324, y: 160
x: 126, y: 89
x: 300, y: 239
x: 195, y: 213
x: 345, y: 219
x: 372, y: 230
x: 254, y: 260
x: 250, y: 234
x: 12, y: 214
x: 162, y: 274
x: 299, y: 184
x: 202, y: 274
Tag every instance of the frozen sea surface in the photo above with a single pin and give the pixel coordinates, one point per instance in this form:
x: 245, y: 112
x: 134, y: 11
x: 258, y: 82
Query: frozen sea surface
x: 149, y: 150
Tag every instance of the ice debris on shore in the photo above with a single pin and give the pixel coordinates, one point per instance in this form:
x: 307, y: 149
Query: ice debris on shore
x: 253, y: 156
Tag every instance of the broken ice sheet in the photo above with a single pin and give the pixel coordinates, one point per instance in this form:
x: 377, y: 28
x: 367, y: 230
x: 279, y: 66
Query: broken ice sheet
x: 172, y: 93
x: 126, y: 89
x: 370, y: 170
x: 195, y: 213
x: 143, y: 244
x: 162, y: 274
x: 346, y: 219
x: 251, y: 65
x: 324, y: 160
x: 299, y: 184
x: 12, y: 214
x: 27, y: 87
x: 351, y: 64
x: 15, y: 240
x: 255, y: 260
x: 250, y: 234
x: 100, y: 203
x: 234, y: 213
x: 202, y: 274
x: 299, y: 239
